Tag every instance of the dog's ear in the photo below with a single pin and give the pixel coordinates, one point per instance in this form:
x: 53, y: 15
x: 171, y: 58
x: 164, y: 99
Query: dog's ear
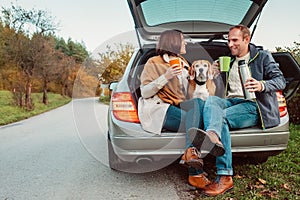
x: 210, y: 72
x: 211, y: 87
x: 192, y: 71
x: 210, y: 84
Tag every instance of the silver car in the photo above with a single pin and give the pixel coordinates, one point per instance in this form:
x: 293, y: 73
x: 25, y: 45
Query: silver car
x: 205, y: 25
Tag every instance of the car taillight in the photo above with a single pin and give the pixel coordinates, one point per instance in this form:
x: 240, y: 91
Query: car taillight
x: 123, y: 107
x: 281, y: 104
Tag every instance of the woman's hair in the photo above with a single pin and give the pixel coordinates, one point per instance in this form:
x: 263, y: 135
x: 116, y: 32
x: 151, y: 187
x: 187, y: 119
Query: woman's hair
x: 170, y: 42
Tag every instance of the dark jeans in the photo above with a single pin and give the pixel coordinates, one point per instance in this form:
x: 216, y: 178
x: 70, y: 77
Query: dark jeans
x: 221, y: 115
x: 187, y: 115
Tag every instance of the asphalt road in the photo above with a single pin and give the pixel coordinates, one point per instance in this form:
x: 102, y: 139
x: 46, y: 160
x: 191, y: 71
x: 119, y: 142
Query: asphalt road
x: 62, y: 154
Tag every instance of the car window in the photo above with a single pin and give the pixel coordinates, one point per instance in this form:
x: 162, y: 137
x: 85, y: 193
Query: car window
x: 221, y: 11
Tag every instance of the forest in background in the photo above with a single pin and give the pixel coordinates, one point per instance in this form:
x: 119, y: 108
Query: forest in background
x: 34, y: 59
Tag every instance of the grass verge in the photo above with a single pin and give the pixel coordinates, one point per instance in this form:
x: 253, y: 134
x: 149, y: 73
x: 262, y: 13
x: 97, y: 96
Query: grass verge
x: 104, y: 99
x: 278, y: 178
x: 10, y: 113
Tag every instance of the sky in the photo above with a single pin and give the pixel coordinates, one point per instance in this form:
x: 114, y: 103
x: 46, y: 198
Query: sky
x: 97, y: 23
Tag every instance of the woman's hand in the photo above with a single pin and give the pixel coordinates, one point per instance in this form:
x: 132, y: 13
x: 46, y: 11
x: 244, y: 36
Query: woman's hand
x: 253, y: 85
x: 172, y: 71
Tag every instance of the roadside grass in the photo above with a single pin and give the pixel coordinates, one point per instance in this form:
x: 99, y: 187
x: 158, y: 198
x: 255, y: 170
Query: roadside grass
x: 104, y: 99
x: 278, y: 178
x: 10, y: 113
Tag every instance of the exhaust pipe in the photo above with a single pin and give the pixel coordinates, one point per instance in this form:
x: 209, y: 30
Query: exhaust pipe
x: 143, y: 160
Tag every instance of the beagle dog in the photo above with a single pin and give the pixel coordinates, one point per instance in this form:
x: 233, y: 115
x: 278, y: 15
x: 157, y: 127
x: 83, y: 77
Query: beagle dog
x: 201, y: 83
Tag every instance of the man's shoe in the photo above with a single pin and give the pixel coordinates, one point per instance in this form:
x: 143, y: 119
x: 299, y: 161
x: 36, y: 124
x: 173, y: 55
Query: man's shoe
x: 191, y: 157
x: 199, y: 181
x: 208, y: 141
x: 220, y: 186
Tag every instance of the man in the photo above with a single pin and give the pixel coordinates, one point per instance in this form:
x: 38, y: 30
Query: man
x: 235, y: 111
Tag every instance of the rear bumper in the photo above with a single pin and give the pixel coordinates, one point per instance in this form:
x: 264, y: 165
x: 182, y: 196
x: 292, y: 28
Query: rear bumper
x: 130, y: 148
x: 132, y: 142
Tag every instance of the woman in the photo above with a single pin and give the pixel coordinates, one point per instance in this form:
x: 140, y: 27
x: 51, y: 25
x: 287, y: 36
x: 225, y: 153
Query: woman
x: 163, y: 104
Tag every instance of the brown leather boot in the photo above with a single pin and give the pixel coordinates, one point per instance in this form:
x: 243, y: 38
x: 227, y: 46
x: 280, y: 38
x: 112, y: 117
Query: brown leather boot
x: 220, y: 186
x: 199, y: 181
x: 191, y: 157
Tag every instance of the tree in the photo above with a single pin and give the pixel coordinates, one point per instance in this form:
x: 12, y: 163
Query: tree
x: 73, y: 55
x: 21, y: 48
x: 85, y: 85
x: 77, y: 50
x: 113, y: 62
x: 22, y: 20
x: 294, y: 50
x: 19, y: 51
x: 71, y: 48
x: 62, y: 46
x: 67, y: 68
x: 2, y: 44
x: 45, y: 60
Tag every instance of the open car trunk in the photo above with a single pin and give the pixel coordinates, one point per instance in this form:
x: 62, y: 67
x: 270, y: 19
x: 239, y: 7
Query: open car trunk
x: 205, y: 24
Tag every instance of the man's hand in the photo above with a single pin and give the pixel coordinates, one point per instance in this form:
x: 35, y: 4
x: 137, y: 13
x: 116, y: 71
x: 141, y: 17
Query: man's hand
x: 252, y: 85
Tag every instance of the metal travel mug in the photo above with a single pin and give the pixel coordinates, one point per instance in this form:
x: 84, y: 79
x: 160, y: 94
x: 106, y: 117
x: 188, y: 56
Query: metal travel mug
x: 244, y: 73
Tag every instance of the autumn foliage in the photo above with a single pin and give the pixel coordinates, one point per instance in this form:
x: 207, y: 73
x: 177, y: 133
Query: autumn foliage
x: 34, y: 59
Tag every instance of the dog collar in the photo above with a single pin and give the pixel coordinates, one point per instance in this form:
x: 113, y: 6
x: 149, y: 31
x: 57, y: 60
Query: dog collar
x: 199, y: 83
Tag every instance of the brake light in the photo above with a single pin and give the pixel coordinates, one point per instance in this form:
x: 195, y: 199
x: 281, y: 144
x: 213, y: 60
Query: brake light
x: 123, y: 107
x: 281, y: 104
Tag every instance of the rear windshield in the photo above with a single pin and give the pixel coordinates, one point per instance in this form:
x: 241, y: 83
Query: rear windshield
x: 221, y: 11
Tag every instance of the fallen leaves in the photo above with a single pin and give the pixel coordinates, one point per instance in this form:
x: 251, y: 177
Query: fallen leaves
x: 286, y: 186
x: 269, y: 193
x: 270, y: 183
x: 262, y: 190
x: 262, y: 181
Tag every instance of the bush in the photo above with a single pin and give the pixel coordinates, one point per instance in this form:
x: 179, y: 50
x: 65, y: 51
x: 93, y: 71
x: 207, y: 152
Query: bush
x: 294, y: 108
x: 104, y: 99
